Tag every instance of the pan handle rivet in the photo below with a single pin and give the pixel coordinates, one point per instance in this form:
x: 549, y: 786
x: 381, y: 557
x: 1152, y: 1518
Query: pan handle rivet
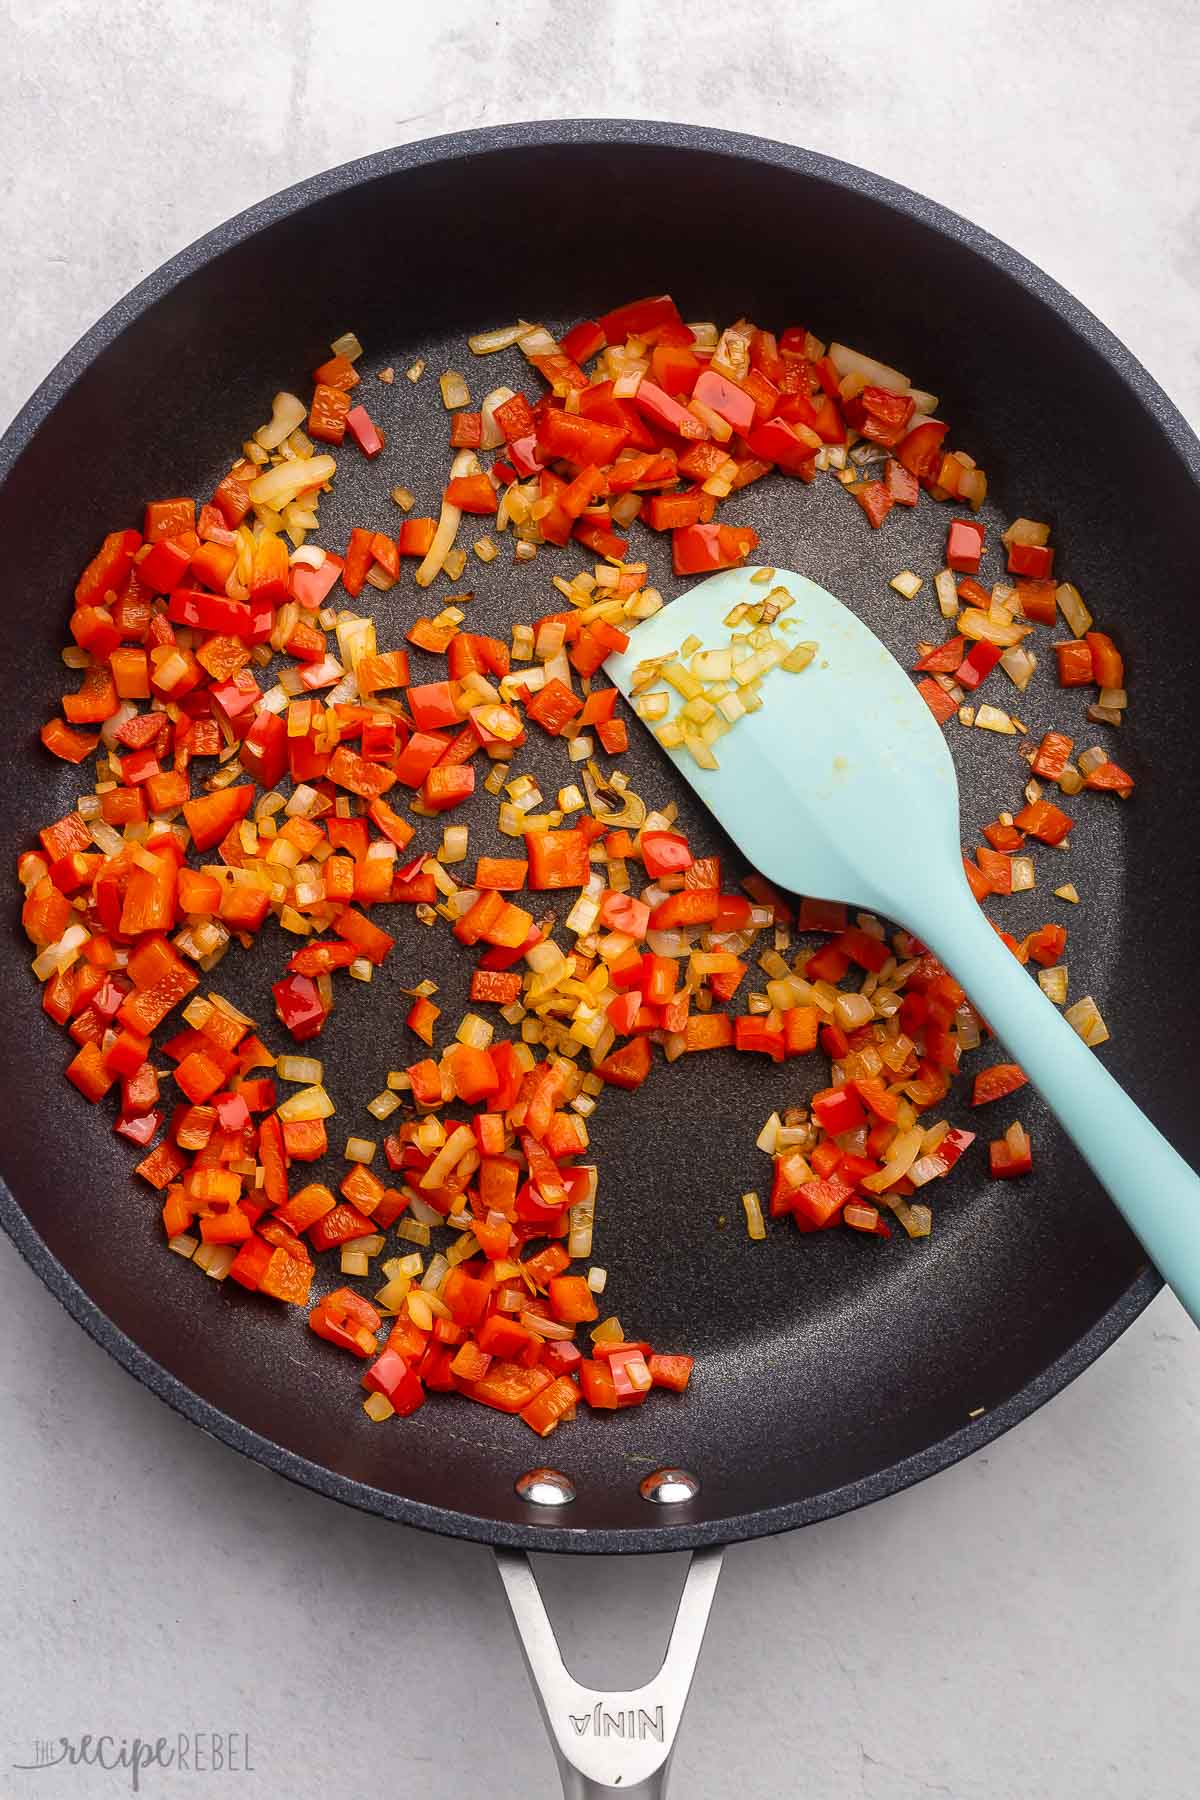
x: 669, y: 1487
x: 545, y: 1487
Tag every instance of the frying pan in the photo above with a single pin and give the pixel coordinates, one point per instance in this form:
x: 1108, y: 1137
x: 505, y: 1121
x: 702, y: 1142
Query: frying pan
x: 831, y: 1371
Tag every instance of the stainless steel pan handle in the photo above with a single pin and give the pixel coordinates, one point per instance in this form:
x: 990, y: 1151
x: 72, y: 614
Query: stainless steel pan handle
x: 611, y: 1743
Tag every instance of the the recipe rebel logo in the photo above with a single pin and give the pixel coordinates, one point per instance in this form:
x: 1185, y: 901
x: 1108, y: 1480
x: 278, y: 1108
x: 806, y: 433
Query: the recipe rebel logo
x: 182, y: 1753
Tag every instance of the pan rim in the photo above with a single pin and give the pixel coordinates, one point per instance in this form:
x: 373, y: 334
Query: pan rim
x: 683, y: 1534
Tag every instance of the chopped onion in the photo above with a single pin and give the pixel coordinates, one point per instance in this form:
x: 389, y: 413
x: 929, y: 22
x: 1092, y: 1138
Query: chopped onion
x: 492, y: 437
x: 455, y: 391
x: 360, y: 1150
x: 465, y: 463
x: 475, y: 1032
x: 946, y: 589
x: 281, y: 484
x: 308, y: 556
x: 916, y: 1220
x: 901, y: 1153
x: 310, y: 1103
x: 545, y: 1328
x: 1085, y: 1019
x: 906, y: 584
x: 766, y: 1139
x: 460, y: 1140
x: 215, y: 1259
x: 1026, y: 531
x: 755, y: 1224
x: 874, y: 374
x: 1072, y: 608
x: 852, y: 1011
x: 1053, y: 983
x: 434, y: 1276
x: 979, y: 625
x: 1019, y: 664
x: 486, y: 343
x: 287, y: 412
x: 308, y: 1069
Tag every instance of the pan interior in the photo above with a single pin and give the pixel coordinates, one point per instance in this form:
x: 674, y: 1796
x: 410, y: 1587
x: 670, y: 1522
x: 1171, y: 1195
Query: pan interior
x: 824, y: 1360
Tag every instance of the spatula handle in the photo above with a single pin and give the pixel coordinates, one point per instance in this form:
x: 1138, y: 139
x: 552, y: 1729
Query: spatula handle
x: 1158, y: 1192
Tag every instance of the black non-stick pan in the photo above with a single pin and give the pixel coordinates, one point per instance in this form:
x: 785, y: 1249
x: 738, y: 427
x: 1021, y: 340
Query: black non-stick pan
x: 831, y: 1371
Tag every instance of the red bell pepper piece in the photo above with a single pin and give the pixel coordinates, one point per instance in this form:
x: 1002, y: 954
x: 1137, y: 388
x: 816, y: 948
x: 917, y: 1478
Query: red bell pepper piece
x: 582, y: 342
x: 1036, y: 560
x: 448, y: 785
x: 363, y: 431
x: 818, y: 1203
x: 264, y: 749
x: 1074, y: 663
x: 1043, y: 820
x: 557, y: 859
x: 762, y: 1033
x: 790, y: 444
x: 575, y: 438
x: 391, y: 1376
x: 920, y: 451
x: 299, y: 1007
x: 701, y: 549
x: 875, y: 499
x: 1046, y: 944
x: 1108, y: 665
x: 646, y: 319
x: 998, y: 1081
x: 838, y: 1109
x: 1052, y: 755
x: 627, y: 1067
x: 1011, y: 1155
x: 939, y: 702
x: 728, y: 401
x: 1038, y: 601
x: 553, y: 707
x: 472, y: 493
x: 109, y: 568
x: 964, y: 546
x: 977, y: 664
x: 421, y: 753
x: 211, y: 816
x: 346, y: 1319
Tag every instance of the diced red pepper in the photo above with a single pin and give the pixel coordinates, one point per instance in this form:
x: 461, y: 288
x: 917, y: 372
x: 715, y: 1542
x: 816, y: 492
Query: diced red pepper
x: 363, y: 431
x: 977, y: 664
x: 1036, y: 560
x: 1074, y: 663
x: 702, y: 549
x: 964, y: 546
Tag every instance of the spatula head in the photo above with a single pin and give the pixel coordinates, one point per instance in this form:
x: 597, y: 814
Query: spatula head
x: 841, y: 785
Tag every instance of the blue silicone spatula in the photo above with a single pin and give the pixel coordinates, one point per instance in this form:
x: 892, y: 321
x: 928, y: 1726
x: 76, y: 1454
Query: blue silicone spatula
x: 841, y: 786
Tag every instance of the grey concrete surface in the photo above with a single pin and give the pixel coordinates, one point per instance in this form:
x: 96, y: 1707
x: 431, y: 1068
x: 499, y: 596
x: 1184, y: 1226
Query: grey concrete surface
x: 1023, y: 1626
